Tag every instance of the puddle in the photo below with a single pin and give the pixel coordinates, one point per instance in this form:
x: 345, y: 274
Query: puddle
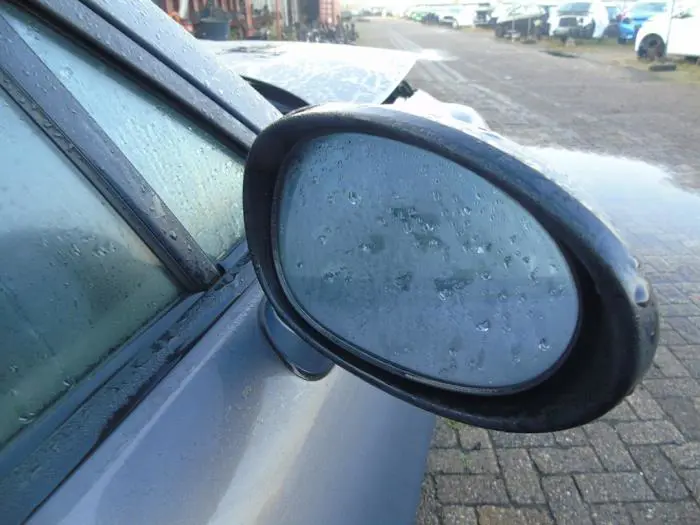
x: 561, y: 54
x: 435, y: 55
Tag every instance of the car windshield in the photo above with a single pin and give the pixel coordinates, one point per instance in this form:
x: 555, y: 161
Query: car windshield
x: 648, y: 8
x: 575, y: 8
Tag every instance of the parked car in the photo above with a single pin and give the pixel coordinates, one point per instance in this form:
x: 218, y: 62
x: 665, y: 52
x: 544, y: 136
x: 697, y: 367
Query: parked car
x: 459, y: 16
x: 156, y: 370
x: 522, y: 18
x: 664, y: 34
x: 614, y: 17
x: 633, y: 19
x: 581, y: 20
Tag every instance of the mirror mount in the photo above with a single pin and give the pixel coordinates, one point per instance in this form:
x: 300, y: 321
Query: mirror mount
x: 618, y: 330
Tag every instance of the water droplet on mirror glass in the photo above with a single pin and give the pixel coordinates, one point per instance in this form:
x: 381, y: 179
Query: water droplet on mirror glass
x: 322, y: 239
x: 483, y: 326
x: 172, y: 235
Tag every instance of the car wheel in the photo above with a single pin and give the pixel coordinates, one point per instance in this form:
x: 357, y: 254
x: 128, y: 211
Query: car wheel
x: 651, y: 48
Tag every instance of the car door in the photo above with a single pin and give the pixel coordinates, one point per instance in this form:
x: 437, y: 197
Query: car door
x: 144, y: 379
x: 684, y: 37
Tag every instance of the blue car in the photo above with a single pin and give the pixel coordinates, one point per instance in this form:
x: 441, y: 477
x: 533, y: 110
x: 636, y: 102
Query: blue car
x: 633, y: 20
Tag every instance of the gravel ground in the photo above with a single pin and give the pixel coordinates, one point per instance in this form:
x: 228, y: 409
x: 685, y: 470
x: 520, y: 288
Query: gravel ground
x: 641, y: 463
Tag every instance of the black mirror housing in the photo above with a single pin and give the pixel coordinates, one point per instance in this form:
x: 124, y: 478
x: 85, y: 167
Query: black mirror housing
x: 617, y: 333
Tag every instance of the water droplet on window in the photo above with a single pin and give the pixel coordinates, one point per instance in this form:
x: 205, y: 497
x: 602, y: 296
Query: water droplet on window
x: 27, y: 418
x: 507, y: 261
x: 172, y: 235
x: 485, y: 276
x: 329, y: 277
x: 14, y: 369
x: 483, y: 326
x: 354, y: 198
x: 543, y: 345
x: 300, y: 265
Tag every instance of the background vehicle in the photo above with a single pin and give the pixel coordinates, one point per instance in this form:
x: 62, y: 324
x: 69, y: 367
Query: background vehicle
x: 524, y: 19
x: 581, y: 20
x: 682, y: 30
x: 614, y: 17
x: 633, y: 19
x: 459, y: 16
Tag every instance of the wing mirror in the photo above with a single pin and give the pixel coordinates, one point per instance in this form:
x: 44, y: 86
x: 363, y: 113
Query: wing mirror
x: 442, y: 266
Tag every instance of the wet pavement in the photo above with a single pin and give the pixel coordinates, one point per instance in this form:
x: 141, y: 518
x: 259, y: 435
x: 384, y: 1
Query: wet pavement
x: 640, y: 464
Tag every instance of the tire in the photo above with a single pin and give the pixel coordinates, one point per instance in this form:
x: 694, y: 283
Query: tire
x: 651, y: 48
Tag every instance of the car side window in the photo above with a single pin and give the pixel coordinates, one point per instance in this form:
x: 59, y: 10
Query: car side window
x: 75, y: 281
x: 198, y: 178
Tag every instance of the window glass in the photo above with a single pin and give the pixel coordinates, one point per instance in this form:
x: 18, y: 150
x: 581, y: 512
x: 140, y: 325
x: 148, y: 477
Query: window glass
x: 75, y: 281
x: 199, y: 179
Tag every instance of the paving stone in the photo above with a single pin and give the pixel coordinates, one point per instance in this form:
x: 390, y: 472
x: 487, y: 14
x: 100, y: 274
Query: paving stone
x: 610, y: 449
x: 459, y: 515
x: 686, y: 351
x: 684, y: 414
x: 522, y: 481
x: 470, y: 490
x: 490, y: 515
x: 644, y: 405
x: 566, y: 461
x: 480, y: 462
x: 622, y: 412
x: 649, y: 433
x: 472, y: 438
x: 509, y: 440
x: 678, y: 387
x: 574, y: 437
x: 676, y: 513
x: 610, y: 514
x: 659, y: 473
x: 687, y: 327
x: 446, y: 461
x: 428, y: 507
x: 692, y: 481
x: 669, y: 364
x: 445, y: 436
x: 565, y: 501
x: 614, y: 487
x: 685, y: 456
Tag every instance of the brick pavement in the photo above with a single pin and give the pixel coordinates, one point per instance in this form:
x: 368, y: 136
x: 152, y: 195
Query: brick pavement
x: 640, y: 464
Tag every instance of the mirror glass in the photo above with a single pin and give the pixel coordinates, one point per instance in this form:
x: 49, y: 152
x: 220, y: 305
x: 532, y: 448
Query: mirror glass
x: 422, y: 265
